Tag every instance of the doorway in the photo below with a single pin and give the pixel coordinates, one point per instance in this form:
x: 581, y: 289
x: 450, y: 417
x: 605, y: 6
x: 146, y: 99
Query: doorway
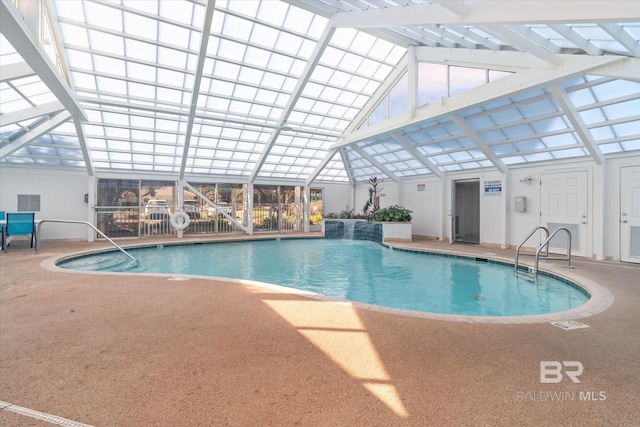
x: 630, y: 214
x: 466, y: 209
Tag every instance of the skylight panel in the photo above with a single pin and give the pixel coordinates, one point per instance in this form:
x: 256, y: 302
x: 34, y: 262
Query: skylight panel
x: 231, y: 50
x: 140, y: 50
x: 98, y: 13
x: 280, y: 63
x: 111, y: 85
x: 272, y: 12
x: 630, y: 145
x: 615, y: 89
x: 110, y: 65
x: 140, y: 26
x: 565, y: 154
x: 537, y: 157
x: 289, y: 43
x: 106, y: 42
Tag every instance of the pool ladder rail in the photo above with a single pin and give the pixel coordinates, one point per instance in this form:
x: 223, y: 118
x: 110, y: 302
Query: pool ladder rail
x: 64, y: 221
x: 542, y: 251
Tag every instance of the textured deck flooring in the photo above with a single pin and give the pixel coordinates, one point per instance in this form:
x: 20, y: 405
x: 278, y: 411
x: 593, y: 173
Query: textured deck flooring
x: 132, y: 350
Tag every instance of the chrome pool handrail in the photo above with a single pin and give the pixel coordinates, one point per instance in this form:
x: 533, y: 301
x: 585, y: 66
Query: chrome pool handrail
x: 65, y: 221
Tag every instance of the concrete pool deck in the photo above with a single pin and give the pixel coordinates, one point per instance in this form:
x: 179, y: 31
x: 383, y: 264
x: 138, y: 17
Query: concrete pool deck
x: 133, y: 350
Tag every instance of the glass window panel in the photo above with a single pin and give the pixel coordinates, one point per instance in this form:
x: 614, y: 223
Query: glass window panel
x: 627, y: 129
x: 106, y: 42
x: 226, y: 70
x: 231, y: 50
x: 622, y: 109
x: 497, y: 75
x: 462, y: 79
x: 574, y: 152
x: 236, y: 27
x: 631, y: 145
x: 529, y: 145
x: 537, y: 157
x: 559, y: 140
x: 77, y: 34
x: 615, y: 89
x: 549, y: 125
x: 257, y: 57
x: 432, y: 82
x: 399, y: 97
x: 264, y: 36
x: 288, y: 43
x: 139, y: 26
x: 595, y: 115
x: 603, y: 132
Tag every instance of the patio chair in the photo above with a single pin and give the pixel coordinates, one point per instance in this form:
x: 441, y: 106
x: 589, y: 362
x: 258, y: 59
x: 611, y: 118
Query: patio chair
x: 2, y: 227
x: 20, y: 223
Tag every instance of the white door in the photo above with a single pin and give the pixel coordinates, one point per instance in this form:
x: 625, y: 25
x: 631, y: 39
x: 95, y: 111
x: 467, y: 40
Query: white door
x: 564, y: 203
x: 630, y: 214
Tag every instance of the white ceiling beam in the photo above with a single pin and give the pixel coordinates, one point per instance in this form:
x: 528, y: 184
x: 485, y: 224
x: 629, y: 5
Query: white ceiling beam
x: 625, y: 39
x: 202, y: 56
x: 584, y: 44
x: 518, y: 41
x: 320, y: 167
x: 322, y: 44
x: 375, y: 163
x: 493, y: 12
x: 379, y: 94
x: 482, y: 58
x: 535, y: 37
x: 579, y: 126
x: 456, y: 6
x: 411, y: 148
x: 34, y: 133
x: 16, y: 32
x: 474, y: 37
x: 470, y: 133
x: 628, y: 69
x: 82, y: 140
x: 524, y: 81
x: 30, y: 113
x: 347, y: 166
x: 15, y: 71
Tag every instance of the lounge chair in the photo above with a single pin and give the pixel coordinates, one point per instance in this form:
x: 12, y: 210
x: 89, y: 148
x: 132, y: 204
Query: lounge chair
x: 19, y: 223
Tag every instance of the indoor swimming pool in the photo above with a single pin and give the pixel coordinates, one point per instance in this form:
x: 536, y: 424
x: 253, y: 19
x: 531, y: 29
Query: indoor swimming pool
x: 359, y: 271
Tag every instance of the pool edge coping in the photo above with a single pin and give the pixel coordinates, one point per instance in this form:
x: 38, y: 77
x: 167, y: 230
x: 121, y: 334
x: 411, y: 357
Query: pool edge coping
x: 600, y: 299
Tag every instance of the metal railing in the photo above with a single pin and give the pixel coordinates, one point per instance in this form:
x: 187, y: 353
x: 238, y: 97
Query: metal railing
x: 544, y: 248
x: 64, y: 221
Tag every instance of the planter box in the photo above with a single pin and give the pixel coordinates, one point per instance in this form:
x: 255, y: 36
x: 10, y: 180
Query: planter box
x: 396, y: 231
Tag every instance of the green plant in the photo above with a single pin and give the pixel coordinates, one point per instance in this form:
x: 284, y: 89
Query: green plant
x: 343, y: 214
x: 393, y: 213
x: 375, y: 192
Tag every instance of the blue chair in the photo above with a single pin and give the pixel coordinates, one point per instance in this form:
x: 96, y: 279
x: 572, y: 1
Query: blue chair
x: 20, y: 223
x: 2, y: 228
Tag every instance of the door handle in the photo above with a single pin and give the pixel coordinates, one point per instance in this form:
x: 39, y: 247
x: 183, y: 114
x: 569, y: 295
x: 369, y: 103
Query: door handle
x: 624, y: 221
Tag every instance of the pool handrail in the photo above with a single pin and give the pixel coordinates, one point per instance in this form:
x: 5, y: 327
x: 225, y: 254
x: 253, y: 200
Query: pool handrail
x: 540, y: 227
x: 66, y: 221
x: 546, y: 244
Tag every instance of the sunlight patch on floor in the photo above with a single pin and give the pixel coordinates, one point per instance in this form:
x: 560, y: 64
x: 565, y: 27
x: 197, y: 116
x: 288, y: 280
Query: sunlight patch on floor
x: 336, y: 329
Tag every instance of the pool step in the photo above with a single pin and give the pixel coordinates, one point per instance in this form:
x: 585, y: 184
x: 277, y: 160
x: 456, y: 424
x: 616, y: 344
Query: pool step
x: 526, y: 273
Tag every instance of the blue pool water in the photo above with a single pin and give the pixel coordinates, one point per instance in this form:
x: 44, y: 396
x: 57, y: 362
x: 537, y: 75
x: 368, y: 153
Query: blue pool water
x: 356, y: 270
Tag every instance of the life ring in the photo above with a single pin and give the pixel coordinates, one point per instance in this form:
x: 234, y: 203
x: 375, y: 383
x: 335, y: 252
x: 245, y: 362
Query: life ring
x: 180, y: 225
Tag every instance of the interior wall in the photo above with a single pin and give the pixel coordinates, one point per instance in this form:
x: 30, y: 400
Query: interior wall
x: 61, y: 197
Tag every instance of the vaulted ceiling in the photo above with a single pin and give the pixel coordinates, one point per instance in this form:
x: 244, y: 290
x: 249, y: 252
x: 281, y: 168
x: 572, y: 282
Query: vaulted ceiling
x: 316, y: 90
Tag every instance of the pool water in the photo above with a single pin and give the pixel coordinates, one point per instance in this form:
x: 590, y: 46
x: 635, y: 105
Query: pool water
x: 356, y: 270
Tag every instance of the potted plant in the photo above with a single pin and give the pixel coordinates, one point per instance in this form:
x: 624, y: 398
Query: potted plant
x: 396, y: 222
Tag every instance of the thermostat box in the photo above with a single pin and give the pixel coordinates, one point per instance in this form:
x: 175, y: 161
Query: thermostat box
x: 520, y: 204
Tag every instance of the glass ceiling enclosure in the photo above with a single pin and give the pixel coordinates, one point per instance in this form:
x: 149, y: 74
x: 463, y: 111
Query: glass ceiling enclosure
x: 304, y: 91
